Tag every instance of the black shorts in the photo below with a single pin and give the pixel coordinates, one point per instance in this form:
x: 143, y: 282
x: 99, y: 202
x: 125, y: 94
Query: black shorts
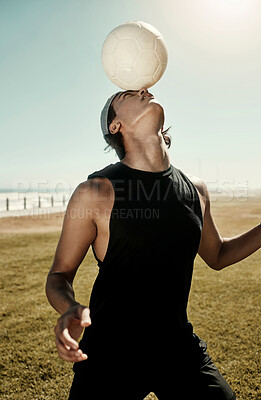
x: 133, y: 378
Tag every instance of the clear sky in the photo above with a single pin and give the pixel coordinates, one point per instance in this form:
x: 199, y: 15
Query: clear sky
x: 53, y: 87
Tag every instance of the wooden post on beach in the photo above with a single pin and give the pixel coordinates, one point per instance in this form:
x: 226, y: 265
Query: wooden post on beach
x: 52, y: 201
x: 7, y: 204
x: 25, y: 203
x: 39, y: 202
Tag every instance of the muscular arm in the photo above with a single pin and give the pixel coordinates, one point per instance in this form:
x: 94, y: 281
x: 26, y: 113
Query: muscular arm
x: 239, y: 247
x: 220, y: 252
x: 78, y: 232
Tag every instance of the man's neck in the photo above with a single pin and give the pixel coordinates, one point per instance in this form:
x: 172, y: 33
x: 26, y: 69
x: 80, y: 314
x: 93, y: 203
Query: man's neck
x: 152, y: 156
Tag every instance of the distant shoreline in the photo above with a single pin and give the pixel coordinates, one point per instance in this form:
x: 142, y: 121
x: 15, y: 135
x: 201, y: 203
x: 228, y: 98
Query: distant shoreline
x: 46, y: 211
x: 34, y: 190
x: 50, y: 219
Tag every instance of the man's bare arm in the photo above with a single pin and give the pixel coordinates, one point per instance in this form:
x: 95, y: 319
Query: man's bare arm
x: 239, y: 247
x: 59, y: 292
x: 78, y: 232
x: 219, y: 252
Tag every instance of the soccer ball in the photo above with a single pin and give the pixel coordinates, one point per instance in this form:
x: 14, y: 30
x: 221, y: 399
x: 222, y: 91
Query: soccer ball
x: 134, y: 55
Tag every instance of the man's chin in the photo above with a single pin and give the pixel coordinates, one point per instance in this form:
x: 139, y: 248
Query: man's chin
x: 154, y: 103
x: 153, y: 110
x: 156, y: 106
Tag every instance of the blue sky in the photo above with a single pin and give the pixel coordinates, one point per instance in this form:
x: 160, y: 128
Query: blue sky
x: 53, y: 87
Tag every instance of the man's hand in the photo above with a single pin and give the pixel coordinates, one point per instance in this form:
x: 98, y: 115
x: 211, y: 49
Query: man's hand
x: 69, y: 328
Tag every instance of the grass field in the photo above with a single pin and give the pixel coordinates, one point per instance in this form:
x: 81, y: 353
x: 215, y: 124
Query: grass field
x: 224, y: 308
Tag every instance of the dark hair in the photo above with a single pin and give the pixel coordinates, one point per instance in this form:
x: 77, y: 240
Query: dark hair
x: 115, y: 141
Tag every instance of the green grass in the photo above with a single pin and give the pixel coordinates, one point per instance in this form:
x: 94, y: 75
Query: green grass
x: 224, y: 308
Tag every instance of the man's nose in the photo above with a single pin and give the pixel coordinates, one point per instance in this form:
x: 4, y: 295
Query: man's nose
x: 142, y: 91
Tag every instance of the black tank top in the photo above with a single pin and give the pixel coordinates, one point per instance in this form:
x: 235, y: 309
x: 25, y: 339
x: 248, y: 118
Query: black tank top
x: 142, y: 288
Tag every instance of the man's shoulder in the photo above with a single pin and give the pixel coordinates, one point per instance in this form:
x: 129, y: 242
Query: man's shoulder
x: 107, y: 172
x: 199, y: 184
x: 194, y: 179
x: 96, y: 186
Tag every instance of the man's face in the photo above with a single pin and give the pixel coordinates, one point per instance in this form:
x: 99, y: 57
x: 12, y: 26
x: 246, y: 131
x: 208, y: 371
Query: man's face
x: 135, y: 108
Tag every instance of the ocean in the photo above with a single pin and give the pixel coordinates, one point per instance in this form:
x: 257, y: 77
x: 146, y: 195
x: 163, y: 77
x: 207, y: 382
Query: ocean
x: 15, y: 203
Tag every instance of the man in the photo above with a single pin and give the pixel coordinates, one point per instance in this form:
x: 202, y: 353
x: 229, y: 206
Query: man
x: 146, y: 221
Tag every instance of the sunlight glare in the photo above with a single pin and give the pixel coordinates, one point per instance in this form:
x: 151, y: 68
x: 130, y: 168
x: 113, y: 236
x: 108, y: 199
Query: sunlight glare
x: 219, y: 26
x: 235, y: 7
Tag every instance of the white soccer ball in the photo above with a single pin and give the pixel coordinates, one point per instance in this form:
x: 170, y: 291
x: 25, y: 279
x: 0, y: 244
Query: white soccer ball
x: 134, y: 55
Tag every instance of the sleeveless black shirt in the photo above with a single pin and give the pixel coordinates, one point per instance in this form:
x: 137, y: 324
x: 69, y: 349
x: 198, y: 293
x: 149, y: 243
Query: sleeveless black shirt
x: 141, y: 292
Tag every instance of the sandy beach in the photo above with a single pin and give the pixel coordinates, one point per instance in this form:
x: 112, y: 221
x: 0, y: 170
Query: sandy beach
x: 45, y: 223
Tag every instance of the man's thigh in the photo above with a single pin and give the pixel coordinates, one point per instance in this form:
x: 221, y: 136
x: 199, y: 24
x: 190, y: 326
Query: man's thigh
x: 116, y: 382
x: 195, y: 377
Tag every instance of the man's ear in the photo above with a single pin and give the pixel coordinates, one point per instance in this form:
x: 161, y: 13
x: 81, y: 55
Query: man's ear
x: 114, y: 127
